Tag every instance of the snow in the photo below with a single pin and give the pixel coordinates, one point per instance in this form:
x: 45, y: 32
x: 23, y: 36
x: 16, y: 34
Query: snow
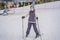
x: 49, y: 22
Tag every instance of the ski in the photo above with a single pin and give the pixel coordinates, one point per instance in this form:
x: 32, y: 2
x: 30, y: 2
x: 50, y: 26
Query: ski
x: 28, y: 38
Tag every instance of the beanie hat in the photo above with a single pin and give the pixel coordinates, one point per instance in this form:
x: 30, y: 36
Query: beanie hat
x: 32, y: 5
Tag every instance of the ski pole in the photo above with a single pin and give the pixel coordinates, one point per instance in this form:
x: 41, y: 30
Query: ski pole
x: 22, y: 30
x: 39, y: 29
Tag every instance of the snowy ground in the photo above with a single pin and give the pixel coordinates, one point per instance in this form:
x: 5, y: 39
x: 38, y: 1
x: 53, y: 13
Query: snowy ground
x: 49, y: 22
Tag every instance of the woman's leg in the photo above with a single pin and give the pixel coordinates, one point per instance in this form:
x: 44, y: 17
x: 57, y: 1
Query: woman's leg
x: 28, y: 29
x: 35, y: 29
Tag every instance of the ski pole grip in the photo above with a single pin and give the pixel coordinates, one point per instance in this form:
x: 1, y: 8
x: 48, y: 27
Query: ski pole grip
x: 37, y: 18
x: 23, y: 17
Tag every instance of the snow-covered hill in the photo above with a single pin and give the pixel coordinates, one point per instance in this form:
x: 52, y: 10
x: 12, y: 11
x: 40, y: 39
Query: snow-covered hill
x: 49, y: 22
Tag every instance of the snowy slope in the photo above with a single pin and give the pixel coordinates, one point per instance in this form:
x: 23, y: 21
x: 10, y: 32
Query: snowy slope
x: 49, y: 22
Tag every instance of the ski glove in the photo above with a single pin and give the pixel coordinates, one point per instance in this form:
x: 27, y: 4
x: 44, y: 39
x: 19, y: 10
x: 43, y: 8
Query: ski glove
x: 23, y: 17
x: 37, y: 18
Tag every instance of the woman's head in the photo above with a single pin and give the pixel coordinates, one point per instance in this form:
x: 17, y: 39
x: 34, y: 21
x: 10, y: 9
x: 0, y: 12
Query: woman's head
x: 32, y: 8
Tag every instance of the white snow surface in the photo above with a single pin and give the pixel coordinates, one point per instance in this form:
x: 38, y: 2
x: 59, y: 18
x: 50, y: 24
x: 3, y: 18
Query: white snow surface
x: 49, y: 22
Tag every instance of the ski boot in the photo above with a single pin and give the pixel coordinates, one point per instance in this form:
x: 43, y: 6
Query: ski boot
x: 37, y: 35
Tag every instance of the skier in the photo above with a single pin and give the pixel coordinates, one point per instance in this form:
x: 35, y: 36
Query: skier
x: 5, y: 10
x: 32, y: 21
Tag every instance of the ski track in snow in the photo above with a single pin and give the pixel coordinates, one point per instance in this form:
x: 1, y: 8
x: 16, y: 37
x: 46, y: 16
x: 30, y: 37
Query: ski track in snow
x: 49, y: 22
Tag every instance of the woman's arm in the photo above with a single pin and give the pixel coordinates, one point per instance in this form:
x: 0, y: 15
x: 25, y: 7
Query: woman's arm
x: 26, y: 15
x: 36, y: 15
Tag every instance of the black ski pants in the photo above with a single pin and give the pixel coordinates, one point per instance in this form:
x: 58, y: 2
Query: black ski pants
x: 34, y: 27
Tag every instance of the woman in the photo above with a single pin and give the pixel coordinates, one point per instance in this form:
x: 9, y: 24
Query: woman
x: 32, y: 21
